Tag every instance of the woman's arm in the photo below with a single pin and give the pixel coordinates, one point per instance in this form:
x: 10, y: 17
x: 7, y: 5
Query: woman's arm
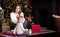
x: 13, y: 18
x: 22, y: 14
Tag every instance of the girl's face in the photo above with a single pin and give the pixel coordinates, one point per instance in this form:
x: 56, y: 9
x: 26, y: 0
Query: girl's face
x: 20, y: 19
x: 18, y: 9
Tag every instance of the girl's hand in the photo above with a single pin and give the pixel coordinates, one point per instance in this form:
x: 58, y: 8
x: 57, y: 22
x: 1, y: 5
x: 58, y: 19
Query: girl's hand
x: 26, y: 29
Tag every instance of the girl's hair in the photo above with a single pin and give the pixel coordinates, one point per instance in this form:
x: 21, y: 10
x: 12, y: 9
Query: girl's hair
x: 16, y: 6
x: 20, y: 17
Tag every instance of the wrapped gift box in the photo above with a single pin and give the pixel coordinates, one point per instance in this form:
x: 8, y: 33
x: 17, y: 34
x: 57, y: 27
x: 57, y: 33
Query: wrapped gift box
x: 5, y: 27
x: 35, y: 28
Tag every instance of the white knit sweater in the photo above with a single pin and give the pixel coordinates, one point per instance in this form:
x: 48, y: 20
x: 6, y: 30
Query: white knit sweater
x: 19, y: 28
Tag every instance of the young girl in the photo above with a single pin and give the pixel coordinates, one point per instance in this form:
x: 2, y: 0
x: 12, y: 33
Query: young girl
x: 19, y: 27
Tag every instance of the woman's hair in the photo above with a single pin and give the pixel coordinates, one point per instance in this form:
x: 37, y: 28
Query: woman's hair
x: 16, y: 6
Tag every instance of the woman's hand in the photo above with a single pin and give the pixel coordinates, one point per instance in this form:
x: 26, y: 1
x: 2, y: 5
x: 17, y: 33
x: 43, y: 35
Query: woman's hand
x: 17, y: 17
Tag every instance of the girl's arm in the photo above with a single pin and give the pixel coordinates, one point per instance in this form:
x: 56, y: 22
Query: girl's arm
x: 21, y: 26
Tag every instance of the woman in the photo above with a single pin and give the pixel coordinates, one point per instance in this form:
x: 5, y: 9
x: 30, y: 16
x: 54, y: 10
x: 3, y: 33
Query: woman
x: 14, y: 16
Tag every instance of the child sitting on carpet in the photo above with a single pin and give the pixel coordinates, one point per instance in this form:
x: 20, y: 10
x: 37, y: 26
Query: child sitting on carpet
x: 19, y: 27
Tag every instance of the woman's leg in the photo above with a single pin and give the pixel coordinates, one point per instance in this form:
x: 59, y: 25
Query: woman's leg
x: 13, y: 25
x: 25, y: 24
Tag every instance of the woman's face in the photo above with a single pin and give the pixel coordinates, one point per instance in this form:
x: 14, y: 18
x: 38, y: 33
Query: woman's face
x: 18, y: 9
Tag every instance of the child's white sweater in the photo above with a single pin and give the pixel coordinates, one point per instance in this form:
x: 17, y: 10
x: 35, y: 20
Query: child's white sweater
x: 19, y: 28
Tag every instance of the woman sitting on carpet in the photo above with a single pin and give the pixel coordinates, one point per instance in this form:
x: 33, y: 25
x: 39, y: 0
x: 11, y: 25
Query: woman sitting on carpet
x: 14, y: 17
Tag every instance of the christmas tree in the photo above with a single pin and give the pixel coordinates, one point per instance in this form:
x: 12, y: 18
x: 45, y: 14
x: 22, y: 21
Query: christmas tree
x: 8, y: 6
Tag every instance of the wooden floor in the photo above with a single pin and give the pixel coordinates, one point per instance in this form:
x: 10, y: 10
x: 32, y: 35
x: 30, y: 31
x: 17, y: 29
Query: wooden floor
x: 46, y: 33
